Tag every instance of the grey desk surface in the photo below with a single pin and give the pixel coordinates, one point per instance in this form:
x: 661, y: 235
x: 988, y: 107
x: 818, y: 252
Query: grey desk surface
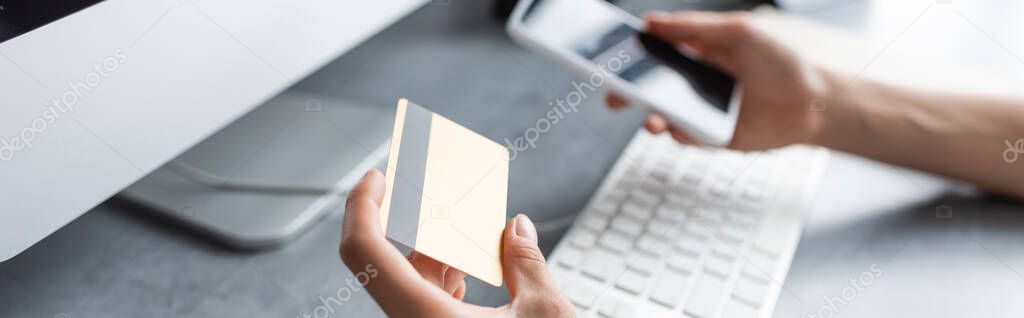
x: 117, y: 261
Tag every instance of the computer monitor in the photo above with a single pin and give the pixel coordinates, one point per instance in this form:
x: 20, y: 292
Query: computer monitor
x: 99, y: 94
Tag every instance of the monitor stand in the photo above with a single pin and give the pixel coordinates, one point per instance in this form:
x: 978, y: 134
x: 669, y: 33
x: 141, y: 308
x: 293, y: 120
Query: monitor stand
x: 272, y: 173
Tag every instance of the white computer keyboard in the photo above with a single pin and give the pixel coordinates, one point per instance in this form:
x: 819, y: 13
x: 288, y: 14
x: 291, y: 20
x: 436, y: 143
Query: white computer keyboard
x: 678, y: 231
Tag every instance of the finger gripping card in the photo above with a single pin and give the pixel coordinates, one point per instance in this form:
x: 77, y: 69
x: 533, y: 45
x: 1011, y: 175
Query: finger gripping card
x: 446, y: 192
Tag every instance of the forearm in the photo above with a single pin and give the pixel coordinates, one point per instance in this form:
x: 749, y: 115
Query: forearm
x: 956, y: 135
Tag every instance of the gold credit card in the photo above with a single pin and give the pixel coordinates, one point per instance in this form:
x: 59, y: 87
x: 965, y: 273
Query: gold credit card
x: 446, y: 194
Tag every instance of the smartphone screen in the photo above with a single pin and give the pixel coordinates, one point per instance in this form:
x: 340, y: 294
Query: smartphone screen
x: 598, y: 33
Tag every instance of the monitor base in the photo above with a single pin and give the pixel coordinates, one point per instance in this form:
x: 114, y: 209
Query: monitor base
x: 292, y: 141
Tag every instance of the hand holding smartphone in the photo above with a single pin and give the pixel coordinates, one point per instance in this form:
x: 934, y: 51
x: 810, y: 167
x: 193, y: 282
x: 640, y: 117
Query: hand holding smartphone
x: 598, y: 39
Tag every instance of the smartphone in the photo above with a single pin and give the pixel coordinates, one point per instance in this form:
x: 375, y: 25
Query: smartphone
x: 611, y: 48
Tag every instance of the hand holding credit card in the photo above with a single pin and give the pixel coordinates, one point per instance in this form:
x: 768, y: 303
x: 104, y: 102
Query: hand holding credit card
x: 446, y: 192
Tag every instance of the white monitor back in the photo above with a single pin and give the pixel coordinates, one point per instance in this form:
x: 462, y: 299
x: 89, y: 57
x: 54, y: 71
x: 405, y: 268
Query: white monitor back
x: 137, y: 83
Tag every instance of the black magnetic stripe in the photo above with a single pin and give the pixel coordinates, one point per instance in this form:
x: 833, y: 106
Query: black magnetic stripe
x: 411, y: 169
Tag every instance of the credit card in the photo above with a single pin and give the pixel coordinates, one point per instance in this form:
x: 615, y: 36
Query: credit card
x: 446, y: 194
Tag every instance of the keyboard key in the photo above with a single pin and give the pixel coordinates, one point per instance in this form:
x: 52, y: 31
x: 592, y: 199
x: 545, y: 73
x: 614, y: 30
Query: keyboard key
x: 724, y: 250
x: 653, y: 245
x: 664, y: 167
x: 756, y: 274
x: 608, y: 307
x: 613, y: 198
x: 753, y: 192
x: 760, y: 171
x: 711, y: 218
x: 659, y: 227
x: 668, y: 290
x: 705, y: 297
x: 602, y: 266
x: 622, y: 238
x: 570, y: 257
x: 661, y: 174
x: 607, y: 207
x: 671, y: 213
x: 740, y: 219
x: 581, y: 293
x: 616, y: 242
x: 690, y: 246
x: 690, y: 181
x: 629, y: 182
x: 643, y: 197
x: 733, y: 233
x: 696, y: 229
x: 636, y: 211
x: 736, y: 309
x: 718, y: 188
x: 760, y: 261
x: 628, y: 226
x: 750, y: 291
x: 632, y: 282
x: 615, y: 195
x: 683, y: 262
x: 595, y: 222
x: 642, y: 263
x: 718, y: 267
x: 613, y: 308
x: 720, y: 203
x: 729, y: 157
x: 583, y: 239
x: 634, y: 172
x: 751, y: 207
x: 654, y: 186
x: 677, y: 199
